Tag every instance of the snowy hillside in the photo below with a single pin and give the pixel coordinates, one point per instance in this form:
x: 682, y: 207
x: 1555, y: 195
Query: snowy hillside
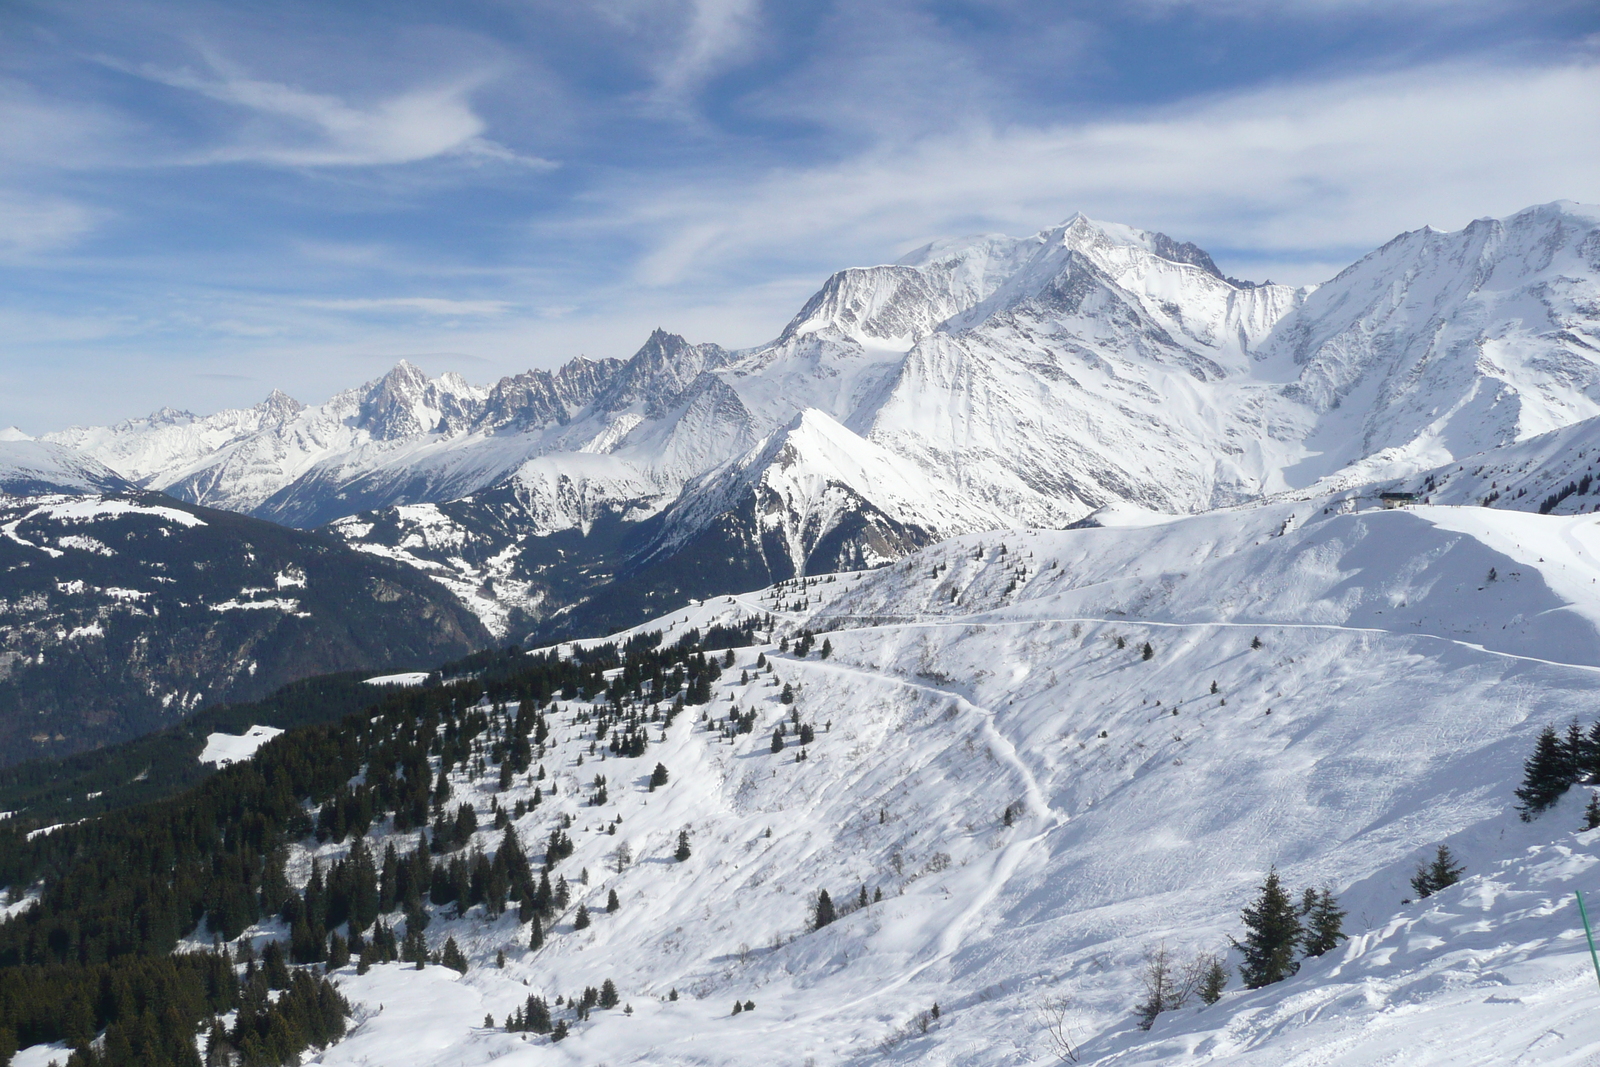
x: 1440, y: 345
x: 1492, y: 971
x: 1552, y: 473
x: 29, y: 467
x: 1040, y: 804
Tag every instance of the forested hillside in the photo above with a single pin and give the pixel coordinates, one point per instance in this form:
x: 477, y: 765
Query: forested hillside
x: 121, y: 615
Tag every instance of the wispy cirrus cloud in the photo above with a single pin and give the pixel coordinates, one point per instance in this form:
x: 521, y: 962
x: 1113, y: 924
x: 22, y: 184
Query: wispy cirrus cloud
x: 717, y: 32
x: 32, y: 224
x: 291, y: 126
x: 427, y: 305
x: 1291, y: 170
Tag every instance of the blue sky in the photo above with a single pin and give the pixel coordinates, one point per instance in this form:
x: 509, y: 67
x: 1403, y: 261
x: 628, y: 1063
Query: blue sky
x: 202, y: 202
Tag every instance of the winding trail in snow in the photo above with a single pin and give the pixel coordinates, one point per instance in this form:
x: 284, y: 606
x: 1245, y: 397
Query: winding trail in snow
x: 1003, y: 867
x: 1047, y: 818
x: 920, y: 622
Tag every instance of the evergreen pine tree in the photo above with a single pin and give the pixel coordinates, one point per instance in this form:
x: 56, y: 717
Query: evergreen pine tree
x: 1324, y: 922
x: 682, y: 852
x: 1433, y: 876
x: 827, y: 648
x: 1591, y: 814
x: 1213, y: 980
x: 777, y: 739
x: 338, y: 952
x: 1546, y: 775
x: 612, y: 903
x: 824, y: 912
x: 1147, y: 651
x: 581, y: 921
x: 536, y: 938
x: 608, y: 994
x: 1576, y: 747
x: 452, y: 956
x: 1590, y: 767
x: 1272, y: 930
x: 658, y: 777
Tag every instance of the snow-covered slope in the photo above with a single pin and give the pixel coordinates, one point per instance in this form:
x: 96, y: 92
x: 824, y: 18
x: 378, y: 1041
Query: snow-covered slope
x: 1040, y: 804
x: 1492, y: 971
x: 29, y: 467
x: 1440, y: 345
x: 797, y: 489
x: 1550, y: 473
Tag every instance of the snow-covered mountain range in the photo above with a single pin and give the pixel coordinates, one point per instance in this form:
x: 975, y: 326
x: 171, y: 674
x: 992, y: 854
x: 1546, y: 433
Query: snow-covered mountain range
x: 1111, y: 619
x: 979, y: 383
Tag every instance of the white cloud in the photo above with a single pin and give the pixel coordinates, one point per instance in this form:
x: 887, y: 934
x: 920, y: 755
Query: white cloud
x: 292, y: 126
x: 428, y: 305
x: 58, y: 133
x: 31, y: 224
x: 717, y: 31
x: 1291, y: 171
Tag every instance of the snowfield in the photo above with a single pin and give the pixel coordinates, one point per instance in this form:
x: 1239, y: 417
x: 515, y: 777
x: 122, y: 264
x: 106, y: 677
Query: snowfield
x: 406, y: 679
x: 1388, y: 708
x: 223, y: 749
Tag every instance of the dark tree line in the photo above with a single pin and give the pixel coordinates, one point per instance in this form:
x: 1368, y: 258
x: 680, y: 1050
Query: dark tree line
x: 150, y: 1011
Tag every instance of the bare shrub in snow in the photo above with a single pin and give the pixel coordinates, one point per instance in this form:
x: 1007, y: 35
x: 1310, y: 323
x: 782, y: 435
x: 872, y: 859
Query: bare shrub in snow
x: 1054, y: 1017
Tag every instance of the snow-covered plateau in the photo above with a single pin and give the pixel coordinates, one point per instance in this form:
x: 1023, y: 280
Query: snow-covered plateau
x: 1332, y: 688
x: 979, y: 383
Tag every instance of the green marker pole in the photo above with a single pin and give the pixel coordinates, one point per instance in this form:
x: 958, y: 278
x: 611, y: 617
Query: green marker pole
x: 1587, y: 932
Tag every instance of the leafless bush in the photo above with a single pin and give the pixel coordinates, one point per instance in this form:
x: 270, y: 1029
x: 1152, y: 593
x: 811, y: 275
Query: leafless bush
x: 1169, y: 983
x: 1054, y: 1017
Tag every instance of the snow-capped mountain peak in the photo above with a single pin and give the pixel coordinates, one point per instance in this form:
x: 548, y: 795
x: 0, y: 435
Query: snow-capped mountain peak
x: 1443, y: 344
x: 407, y: 403
x: 280, y: 406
